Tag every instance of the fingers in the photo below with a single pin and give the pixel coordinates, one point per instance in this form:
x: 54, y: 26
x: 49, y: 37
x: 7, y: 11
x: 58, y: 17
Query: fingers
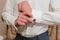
x: 25, y: 7
x: 30, y: 20
x: 23, y: 20
x: 26, y: 18
x: 20, y: 7
x: 20, y: 23
x: 28, y: 15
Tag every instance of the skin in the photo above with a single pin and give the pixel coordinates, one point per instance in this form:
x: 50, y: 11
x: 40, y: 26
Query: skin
x: 25, y: 7
x: 25, y: 14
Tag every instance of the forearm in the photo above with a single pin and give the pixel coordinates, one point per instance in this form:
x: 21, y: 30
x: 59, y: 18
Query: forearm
x: 51, y: 18
x: 47, y: 18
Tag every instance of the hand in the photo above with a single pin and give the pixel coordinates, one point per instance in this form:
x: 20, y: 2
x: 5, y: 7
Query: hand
x: 25, y: 7
x: 22, y: 20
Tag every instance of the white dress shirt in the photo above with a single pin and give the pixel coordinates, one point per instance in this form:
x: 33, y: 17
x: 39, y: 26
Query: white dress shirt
x: 40, y: 12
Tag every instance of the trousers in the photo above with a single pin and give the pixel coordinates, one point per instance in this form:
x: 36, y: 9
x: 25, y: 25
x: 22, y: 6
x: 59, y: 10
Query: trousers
x: 43, y: 36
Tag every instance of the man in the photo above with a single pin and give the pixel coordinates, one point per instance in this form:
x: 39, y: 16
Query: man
x: 35, y: 9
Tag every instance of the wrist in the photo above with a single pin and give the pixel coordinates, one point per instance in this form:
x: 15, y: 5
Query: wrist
x: 16, y: 24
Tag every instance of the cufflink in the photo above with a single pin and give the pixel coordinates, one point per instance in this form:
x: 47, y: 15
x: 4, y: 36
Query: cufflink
x: 33, y: 23
x: 34, y: 20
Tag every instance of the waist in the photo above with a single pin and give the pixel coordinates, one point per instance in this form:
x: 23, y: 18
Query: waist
x: 33, y: 31
x: 45, y: 33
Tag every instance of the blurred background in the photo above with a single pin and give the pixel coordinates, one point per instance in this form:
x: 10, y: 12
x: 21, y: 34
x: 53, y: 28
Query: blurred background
x: 2, y: 2
x: 2, y: 25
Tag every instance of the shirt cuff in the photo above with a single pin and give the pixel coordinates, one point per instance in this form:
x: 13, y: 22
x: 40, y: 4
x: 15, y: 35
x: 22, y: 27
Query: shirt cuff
x: 10, y: 19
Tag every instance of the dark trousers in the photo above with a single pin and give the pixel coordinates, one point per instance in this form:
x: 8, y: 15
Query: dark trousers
x: 43, y: 36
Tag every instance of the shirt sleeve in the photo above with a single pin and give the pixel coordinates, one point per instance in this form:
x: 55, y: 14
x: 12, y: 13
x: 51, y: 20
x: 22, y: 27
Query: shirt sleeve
x: 49, y: 17
x: 8, y: 12
x: 46, y: 18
